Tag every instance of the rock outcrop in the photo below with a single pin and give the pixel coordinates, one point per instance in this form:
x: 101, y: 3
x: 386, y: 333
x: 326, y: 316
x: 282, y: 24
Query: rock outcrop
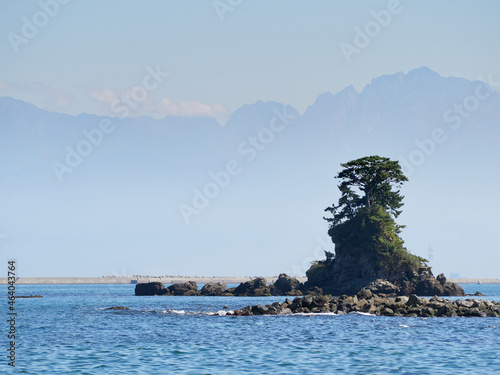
x: 255, y: 287
x: 430, y: 286
x: 423, y: 284
x: 150, y: 289
x: 189, y: 288
x: 348, y: 275
x: 370, y: 253
x: 213, y: 289
x: 338, y: 280
x: 156, y: 288
x: 284, y: 286
x: 377, y: 304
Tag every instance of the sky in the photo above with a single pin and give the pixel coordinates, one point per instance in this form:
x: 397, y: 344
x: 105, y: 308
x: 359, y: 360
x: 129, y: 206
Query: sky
x: 219, y: 56
x: 209, y: 58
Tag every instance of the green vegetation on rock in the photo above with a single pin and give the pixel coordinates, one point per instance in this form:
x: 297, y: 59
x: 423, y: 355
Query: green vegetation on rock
x: 363, y: 223
x: 363, y: 227
x: 374, y: 177
x: 373, y: 233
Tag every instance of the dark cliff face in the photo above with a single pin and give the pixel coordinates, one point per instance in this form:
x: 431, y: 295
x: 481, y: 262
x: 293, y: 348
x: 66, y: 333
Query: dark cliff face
x: 350, y: 274
x: 344, y: 275
x: 370, y: 253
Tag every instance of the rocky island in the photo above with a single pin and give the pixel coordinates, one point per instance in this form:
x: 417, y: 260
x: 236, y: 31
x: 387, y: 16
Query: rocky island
x: 370, y: 272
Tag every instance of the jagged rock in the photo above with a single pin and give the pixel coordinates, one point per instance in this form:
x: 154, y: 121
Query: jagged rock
x: 441, y: 278
x: 246, y: 311
x: 386, y: 311
x: 474, y: 311
x: 446, y: 311
x: 297, y: 302
x: 302, y: 310
x: 307, y: 301
x: 412, y: 306
x: 255, y: 287
x: 320, y: 301
x: 260, y: 310
x: 407, y: 287
x: 189, y: 288
x: 464, y: 303
x: 429, y: 287
x: 294, y: 292
x: 150, y: 289
x: 403, y: 299
x: 213, y: 289
x: 413, y: 300
x: 315, y: 291
x: 362, y: 261
x: 477, y: 294
x: 452, y: 289
x: 361, y: 305
x: 285, y: 284
x: 274, y: 310
x: 427, y: 312
x: 365, y: 293
x: 383, y: 286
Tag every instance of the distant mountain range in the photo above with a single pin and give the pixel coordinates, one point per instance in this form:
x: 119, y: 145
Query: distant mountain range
x: 273, y: 169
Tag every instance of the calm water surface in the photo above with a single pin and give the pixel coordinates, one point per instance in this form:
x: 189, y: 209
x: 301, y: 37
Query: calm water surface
x: 69, y: 332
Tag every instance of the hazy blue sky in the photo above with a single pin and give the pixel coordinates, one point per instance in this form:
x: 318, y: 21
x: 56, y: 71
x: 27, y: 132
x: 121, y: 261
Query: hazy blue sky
x: 221, y: 56
x: 209, y: 58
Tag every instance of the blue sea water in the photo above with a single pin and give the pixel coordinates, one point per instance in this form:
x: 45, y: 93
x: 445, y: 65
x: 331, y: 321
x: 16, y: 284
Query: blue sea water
x: 69, y: 332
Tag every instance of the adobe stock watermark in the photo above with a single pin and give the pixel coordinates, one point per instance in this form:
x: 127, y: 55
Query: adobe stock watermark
x: 74, y: 156
x: 249, y: 149
x: 372, y: 29
x: 322, y: 244
x: 31, y: 26
x: 454, y: 117
x: 139, y: 93
x: 224, y: 6
x: 94, y: 138
x: 3, y: 236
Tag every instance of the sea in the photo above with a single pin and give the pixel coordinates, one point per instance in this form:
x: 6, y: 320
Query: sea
x: 69, y: 331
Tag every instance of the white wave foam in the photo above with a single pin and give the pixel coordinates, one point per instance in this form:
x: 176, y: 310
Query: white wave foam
x: 222, y: 312
x: 180, y: 312
x: 361, y: 313
x: 312, y: 314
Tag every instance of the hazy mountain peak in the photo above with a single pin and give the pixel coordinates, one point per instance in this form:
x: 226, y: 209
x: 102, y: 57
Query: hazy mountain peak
x: 11, y: 104
x: 257, y: 115
x: 423, y: 71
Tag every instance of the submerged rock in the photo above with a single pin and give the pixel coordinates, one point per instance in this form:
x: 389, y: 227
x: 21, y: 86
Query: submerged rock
x: 118, y: 308
x: 30, y: 296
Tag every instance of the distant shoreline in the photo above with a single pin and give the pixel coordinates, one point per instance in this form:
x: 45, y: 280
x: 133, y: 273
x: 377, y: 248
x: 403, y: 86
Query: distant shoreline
x: 475, y: 281
x: 175, y: 280
x: 133, y: 280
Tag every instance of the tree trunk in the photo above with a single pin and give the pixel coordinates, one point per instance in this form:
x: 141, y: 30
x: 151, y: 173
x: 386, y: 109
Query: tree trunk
x: 368, y: 200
